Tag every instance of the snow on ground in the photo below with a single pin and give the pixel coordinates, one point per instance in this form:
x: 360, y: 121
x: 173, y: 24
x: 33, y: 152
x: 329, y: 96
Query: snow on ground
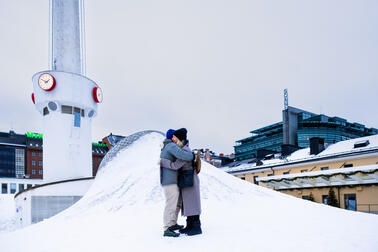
x: 7, y: 213
x: 123, y: 212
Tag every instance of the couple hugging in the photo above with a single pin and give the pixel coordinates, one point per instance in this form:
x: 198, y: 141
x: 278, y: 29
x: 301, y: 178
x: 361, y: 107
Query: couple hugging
x: 179, y: 169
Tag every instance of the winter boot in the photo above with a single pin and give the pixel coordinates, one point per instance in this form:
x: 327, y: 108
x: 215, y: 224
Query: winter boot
x: 170, y: 233
x: 176, y: 227
x: 196, y: 227
x: 189, y: 222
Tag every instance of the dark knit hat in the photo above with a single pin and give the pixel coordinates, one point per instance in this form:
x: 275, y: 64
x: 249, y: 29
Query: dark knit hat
x: 169, y: 133
x: 181, y: 134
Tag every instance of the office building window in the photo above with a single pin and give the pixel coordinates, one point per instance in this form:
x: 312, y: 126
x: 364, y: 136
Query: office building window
x: 350, y: 202
x: 33, y: 154
x: 4, y: 188
x: 40, y: 154
x: 20, y: 162
x: 324, y: 168
x: 12, y: 188
x: 306, y: 197
x: 29, y: 186
x: 33, y: 162
x: 39, y: 163
x: 33, y: 172
x: 325, y: 199
x: 20, y: 187
x: 40, y: 172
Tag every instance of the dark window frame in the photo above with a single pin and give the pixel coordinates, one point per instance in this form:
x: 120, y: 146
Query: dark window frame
x: 4, y: 188
x: 349, y: 197
x: 325, y: 199
x: 255, y: 180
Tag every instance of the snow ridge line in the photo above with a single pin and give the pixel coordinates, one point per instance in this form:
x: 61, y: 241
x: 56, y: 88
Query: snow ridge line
x: 124, y: 143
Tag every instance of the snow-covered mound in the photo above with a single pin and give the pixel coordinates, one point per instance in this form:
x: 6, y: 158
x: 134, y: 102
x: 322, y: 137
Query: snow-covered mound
x: 123, y: 212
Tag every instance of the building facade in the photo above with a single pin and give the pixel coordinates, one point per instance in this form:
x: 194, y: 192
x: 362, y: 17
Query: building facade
x: 34, y: 156
x: 12, y: 155
x: 21, y: 157
x: 295, y: 130
x: 349, y: 168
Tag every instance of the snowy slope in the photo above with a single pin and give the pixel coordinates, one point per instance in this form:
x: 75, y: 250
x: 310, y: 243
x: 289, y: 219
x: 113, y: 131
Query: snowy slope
x: 123, y: 212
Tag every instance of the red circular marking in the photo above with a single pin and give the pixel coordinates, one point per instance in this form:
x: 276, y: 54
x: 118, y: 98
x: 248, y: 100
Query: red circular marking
x: 94, y: 94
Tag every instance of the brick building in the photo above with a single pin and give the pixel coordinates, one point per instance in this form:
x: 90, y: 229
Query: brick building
x: 34, y: 156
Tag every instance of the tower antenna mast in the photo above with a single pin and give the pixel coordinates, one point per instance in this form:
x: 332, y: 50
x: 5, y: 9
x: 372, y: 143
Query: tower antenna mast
x: 286, y: 98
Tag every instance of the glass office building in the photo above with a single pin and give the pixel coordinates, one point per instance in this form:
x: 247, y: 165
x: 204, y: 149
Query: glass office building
x: 12, y: 154
x: 269, y: 138
x: 7, y: 162
x: 296, y: 129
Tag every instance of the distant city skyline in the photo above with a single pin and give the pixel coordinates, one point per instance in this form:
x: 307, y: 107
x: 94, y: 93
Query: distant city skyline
x: 217, y: 68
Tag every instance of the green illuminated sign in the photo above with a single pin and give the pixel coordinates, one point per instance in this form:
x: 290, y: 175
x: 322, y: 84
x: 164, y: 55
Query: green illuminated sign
x: 34, y: 135
x: 100, y: 144
x: 40, y: 136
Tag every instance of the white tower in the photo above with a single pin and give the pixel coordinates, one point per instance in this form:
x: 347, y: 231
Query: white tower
x: 66, y: 99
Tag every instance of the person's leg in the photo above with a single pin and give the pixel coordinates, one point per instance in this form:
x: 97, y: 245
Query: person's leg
x: 178, y: 208
x: 179, y: 204
x: 171, y: 193
x: 196, y: 226
x: 189, y: 221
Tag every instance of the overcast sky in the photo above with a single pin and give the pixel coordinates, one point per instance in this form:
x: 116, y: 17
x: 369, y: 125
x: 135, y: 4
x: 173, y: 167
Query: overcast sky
x: 216, y: 67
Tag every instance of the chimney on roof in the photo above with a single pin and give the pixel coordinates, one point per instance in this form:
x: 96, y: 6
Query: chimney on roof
x: 261, y: 153
x: 287, y: 149
x: 316, y: 145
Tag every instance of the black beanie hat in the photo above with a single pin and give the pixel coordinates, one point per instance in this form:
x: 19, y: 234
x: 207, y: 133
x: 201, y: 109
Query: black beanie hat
x: 181, y: 134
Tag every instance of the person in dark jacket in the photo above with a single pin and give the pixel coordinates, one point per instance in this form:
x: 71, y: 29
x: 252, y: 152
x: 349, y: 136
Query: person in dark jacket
x: 191, y: 199
x: 168, y: 179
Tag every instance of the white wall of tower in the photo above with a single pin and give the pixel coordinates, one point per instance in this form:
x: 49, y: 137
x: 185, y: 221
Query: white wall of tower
x: 67, y: 147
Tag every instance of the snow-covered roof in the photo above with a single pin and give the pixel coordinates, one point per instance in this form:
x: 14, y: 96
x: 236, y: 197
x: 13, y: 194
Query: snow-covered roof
x: 346, y: 147
x: 344, y: 176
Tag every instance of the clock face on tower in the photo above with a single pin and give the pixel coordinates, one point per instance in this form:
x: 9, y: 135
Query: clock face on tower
x: 97, y: 94
x: 46, y: 82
